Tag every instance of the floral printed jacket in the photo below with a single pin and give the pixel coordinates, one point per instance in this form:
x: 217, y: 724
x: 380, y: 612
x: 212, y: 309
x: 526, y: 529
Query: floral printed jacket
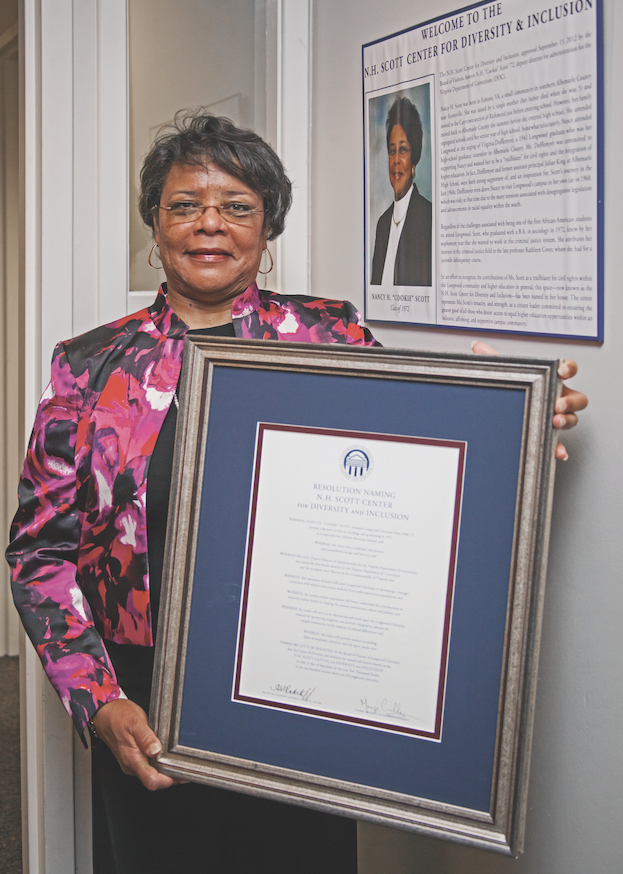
x: 78, y: 550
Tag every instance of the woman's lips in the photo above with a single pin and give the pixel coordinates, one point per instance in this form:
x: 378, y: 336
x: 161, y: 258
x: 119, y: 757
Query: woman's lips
x: 208, y: 256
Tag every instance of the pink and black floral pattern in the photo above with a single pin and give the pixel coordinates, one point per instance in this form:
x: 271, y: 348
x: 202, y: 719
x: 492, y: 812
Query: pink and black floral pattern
x: 78, y: 551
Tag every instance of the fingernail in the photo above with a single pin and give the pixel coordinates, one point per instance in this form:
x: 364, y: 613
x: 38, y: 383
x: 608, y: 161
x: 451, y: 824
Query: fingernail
x: 566, y: 458
x: 473, y: 343
x: 154, y: 750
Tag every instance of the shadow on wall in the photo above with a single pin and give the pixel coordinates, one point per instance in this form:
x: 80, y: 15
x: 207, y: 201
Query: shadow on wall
x: 400, y: 852
x: 10, y: 811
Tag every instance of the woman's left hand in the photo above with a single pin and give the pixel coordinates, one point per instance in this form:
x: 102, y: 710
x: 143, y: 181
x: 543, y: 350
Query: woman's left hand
x: 568, y: 404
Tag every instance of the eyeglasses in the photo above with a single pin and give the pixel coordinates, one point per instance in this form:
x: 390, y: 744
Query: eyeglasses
x: 402, y: 151
x: 235, y: 213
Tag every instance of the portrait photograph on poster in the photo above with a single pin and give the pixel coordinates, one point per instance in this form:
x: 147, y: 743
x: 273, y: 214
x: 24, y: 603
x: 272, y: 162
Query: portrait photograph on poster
x: 401, y: 175
x: 353, y: 579
x: 509, y: 182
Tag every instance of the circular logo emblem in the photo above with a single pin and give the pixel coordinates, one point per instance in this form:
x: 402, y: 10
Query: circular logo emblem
x: 356, y: 463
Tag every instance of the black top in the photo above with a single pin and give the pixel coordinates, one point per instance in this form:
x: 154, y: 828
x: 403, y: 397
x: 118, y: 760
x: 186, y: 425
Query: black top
x: 134, y: 664
x: 413, y: 265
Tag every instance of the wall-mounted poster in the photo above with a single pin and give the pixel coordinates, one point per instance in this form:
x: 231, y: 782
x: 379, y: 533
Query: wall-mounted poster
x: 483, y: 171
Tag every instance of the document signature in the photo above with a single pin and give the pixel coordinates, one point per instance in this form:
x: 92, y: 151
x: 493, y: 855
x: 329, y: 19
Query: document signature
x: 293, y: 691
x: 385, y: 708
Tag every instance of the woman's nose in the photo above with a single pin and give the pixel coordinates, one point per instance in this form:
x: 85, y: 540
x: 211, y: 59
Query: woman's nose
x: 211, y: 219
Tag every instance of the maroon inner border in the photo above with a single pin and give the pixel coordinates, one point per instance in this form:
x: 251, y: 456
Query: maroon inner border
x: 443, y: 669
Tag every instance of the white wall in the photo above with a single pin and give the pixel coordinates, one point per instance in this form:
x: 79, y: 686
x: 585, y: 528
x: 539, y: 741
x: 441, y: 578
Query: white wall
x: 183, y: 55
x: 575, y: 801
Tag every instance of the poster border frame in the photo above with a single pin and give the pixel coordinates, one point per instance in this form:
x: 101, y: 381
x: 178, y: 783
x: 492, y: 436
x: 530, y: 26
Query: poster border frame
x: 599, y: 338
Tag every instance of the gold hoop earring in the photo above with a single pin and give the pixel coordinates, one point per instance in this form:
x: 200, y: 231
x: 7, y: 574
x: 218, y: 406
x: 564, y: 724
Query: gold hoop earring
x: 155, y: 266
x: 264, y: 272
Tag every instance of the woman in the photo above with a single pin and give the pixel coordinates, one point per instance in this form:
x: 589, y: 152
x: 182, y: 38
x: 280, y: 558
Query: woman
x: 88, y: 539
x: 402, y: 248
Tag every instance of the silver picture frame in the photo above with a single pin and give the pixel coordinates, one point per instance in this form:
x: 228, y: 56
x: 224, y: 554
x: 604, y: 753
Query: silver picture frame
x: 531, y: 386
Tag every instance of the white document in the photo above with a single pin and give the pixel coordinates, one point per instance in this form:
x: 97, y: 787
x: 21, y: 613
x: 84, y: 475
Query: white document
x: 349, y: 576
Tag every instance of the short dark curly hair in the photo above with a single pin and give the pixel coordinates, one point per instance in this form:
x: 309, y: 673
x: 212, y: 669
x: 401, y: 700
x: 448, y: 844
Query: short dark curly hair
x: 198, y: 137
x: 404, y: 113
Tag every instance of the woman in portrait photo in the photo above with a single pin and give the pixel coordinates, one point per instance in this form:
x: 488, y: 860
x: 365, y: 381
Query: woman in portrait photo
x: 403, y: 243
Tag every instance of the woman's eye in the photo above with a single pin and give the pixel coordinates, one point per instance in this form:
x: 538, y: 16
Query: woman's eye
x: 183, y: 206
x: 238, y: 208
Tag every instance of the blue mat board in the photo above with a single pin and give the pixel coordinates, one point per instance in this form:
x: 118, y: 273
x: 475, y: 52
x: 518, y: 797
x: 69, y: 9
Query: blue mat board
x: 459, y: 769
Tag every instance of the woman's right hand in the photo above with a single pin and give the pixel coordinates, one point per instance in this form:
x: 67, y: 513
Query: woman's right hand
x: 123, y: 725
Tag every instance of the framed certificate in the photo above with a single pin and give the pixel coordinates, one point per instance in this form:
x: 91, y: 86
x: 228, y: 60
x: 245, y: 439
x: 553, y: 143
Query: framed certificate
x: 353, y: 581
